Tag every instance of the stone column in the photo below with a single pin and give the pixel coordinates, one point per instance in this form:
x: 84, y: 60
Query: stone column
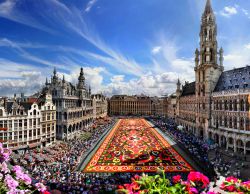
x: 238, y: 123
x: 227, y: 143
x: 245, y: 149
x: 245, y: 123
x: 235, y: 145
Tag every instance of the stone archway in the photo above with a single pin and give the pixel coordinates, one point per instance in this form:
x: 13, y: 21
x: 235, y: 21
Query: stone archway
x: 216, y: 138
x: 240, y: 145
x: 248, y: 147
x: 70, y: 129
x: 230, y: 143
x: 223, y: 141
x: 210, y: 135
x: 201, y: 133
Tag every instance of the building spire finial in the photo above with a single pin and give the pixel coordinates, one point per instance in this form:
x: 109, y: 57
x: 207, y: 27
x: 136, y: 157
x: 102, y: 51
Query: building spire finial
x: 54, y: 71
x: 208, y: 8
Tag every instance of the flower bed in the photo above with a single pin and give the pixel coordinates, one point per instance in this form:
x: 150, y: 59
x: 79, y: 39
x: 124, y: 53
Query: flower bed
x: 195, y: 183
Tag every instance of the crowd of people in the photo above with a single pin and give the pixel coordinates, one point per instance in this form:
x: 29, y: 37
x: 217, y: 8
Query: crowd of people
x: 193, y: 145
x: 55, y: 166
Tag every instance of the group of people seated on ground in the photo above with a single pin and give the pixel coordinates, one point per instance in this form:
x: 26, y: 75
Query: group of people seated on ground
x: 193, y: 145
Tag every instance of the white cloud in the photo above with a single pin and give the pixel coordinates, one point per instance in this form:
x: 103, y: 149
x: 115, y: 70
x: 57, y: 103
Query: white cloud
x: 229, y: 11
x: 9, y: 10
x: 152, y: 85
x: 156, y: 50
x: 247, y: 46
x: 168, y: 59
x: 90, y: 4
x: 237, y: 56
x: 245, y: 12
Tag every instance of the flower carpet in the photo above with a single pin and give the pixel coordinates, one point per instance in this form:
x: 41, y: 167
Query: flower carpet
x: 133, y: 145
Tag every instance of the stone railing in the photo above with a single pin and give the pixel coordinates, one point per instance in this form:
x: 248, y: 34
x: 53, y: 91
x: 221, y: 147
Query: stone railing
x: 231, y: 92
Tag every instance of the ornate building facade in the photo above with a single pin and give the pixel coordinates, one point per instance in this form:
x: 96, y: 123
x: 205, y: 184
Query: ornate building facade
x: 216, y: 105
x: 100, y: 106
x: 130, y: 105
x: 138, y: 105
x: 27, y: 124
x: 171, y: 106
x: 74, y: 110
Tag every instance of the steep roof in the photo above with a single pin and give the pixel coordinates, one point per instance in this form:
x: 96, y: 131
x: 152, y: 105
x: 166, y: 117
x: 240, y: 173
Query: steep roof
x: 238, y: 78
x: 188, y: 89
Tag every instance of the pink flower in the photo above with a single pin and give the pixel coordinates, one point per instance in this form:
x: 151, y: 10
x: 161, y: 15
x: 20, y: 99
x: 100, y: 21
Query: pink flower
x: 16, y: 168
x: 192, y: 190
x: 246, y: 185
x: 40, y: 187
x: 10, y: 182
x: 176, y: 179
x: 26, y: 179
x: 5, y: 168
x: 4, y: 154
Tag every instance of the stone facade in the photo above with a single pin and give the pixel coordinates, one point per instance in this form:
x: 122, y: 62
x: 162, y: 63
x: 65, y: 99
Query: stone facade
x: 216, y: 105
x: 27, y: 124
x: 100, y: 106
x: 171, y: 106
x: 130, y: 105
x: 74, y: 110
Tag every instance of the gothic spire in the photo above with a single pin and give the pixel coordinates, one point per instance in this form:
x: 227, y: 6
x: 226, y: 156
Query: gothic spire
x: 54, y: 71
x: 81, y: 80
x: 208, y: 8
x: 178, y: 82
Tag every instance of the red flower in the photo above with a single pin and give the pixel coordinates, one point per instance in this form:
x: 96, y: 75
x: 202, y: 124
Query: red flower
x: 232, y: 179
x: 231, y: 188
x: 136, y: 178
x: 45, y: 192
x: 197, y: 177
x: 120, y: 187
x: 176, y: 179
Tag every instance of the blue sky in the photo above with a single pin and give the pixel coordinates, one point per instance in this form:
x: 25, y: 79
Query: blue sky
x: 124, y: 46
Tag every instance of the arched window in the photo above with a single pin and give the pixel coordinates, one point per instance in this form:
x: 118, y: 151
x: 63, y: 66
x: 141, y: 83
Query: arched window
x: 34, y: 112
x: 230, y: 105
x: 235, y: 122
x: 225, y: 122
x: 241, y: 105
x: 225, y: 105
x: 247, y: 105
x: 241, y: 123
x: 230, y: 122
x: 220, y: 121
x: 235, y: 105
